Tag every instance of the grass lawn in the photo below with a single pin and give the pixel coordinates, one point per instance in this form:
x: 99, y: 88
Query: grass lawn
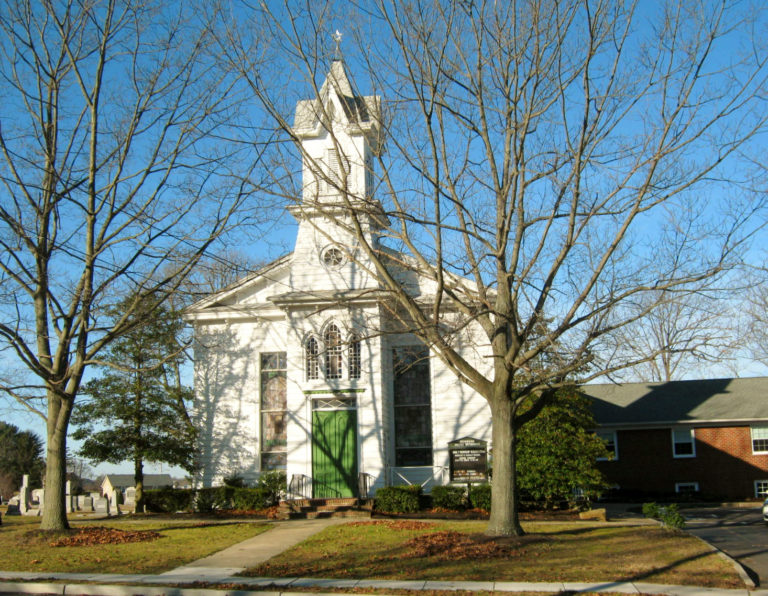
x: 26, y: 548
x: 458, y: 551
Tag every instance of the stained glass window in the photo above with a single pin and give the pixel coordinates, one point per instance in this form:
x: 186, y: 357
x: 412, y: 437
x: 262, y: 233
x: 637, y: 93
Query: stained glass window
x: 274, y: 435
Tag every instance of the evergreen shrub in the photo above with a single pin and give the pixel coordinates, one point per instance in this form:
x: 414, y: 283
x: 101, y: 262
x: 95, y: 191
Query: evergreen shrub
x: 398, y: 499
x: 169, y: 500
x: 480, y: 496
x: 252, y: 499
x: 275, y: 485
x: 448, y: 497
x: 211, y: 499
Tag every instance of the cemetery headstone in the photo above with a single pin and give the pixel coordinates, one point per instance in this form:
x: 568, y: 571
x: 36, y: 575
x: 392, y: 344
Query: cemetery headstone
x: 24, y: 495
x: 68, y: 499
x: 101, y: 505
x: 85, y: 503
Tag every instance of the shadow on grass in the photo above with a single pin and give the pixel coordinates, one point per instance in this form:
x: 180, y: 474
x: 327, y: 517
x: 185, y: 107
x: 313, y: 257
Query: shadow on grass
x: 392, y: 562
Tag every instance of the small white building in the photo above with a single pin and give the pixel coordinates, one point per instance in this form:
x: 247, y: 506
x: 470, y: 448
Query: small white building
x: 121, y: 482
x: 301, y: 367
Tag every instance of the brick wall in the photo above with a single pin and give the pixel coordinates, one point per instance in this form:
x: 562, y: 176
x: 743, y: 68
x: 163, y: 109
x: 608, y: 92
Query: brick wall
x: 723, y: 466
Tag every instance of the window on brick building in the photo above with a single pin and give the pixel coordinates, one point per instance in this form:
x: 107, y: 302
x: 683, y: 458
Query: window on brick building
x: 683, y: 443
x: 611, y: 443
x: 761, y: 489
x: 759, y: 439
x: 686, y: 487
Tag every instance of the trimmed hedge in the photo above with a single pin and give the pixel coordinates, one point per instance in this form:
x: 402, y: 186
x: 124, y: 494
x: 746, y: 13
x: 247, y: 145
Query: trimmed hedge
x: 449, y: 497
x: 398, y: 499
x: 251, y: 499
x: 480, y: 496
x: 169, y: 500
x: 268, y: 492
x: 210, y: 499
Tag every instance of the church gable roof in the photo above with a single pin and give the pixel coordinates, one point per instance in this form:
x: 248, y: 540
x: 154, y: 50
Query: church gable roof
x: 245, y: 290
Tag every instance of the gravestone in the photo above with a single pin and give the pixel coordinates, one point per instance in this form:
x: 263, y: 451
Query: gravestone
x: 40, y: 501
x: 130, y: 497
x: 85, y: 503
x: 101, y: 505
x: 13, y: 506
x: 115, y: 500
x: 68, y: 499
x: 24, y: 495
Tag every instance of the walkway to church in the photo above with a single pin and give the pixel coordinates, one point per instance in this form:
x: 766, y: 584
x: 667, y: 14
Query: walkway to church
x: 220, y: 569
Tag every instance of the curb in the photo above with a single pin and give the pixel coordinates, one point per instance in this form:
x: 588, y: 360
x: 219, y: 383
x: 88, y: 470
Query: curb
x: 743, y: 575
x: 238, y: 586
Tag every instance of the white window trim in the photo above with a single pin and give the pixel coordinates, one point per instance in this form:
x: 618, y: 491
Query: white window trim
x: 679, y: 485
x: 615, y: 445
x: 757, y: 494
x: 752, y: 439
x: 693, y: 443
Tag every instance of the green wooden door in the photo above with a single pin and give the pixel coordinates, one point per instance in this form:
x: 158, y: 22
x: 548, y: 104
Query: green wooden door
x: 334, y: 453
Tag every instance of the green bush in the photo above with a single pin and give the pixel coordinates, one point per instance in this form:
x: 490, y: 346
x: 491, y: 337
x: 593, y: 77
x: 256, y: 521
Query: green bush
x: 671, y: 518
x: 210, y: 499
x: 398, y: 499
x: 252, y: 499
x: 169, y: 500
x: 448, y: 497
x: 235, y: 481
x: 275, y: 485
x: 651, y: 510
x: 480, y: 496
x: 668, y: 515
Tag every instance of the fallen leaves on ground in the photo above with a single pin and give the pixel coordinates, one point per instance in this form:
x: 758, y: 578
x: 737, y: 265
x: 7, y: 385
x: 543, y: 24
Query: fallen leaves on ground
x: 395, y: 525
x: 458, y: 546
x: 91, y: 535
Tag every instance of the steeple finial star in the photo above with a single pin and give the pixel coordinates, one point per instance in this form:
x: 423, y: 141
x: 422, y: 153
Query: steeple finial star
x: 337, y: 39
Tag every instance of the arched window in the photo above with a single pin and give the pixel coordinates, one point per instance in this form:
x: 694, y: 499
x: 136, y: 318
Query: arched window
x: 333, y: 352
x: 353, y: 357
x: 312, y: 357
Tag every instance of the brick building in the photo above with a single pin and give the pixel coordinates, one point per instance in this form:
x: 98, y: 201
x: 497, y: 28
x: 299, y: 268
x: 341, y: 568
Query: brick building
x: 707, y: 436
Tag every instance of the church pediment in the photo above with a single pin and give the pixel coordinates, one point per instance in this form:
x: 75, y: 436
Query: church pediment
x: 250, y: 292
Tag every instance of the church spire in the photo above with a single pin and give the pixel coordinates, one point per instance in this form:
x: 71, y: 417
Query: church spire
x: 337, y: 40
x: 339, y: 133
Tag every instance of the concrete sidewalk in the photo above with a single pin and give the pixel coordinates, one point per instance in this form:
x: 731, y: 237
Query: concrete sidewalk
x: 142, y: 585
x: 251, y: 552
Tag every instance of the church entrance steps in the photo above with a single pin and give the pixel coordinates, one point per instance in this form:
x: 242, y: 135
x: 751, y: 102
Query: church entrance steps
x: 325, y: 508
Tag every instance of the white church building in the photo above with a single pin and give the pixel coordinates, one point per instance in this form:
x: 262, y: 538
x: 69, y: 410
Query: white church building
x: 298, y: 366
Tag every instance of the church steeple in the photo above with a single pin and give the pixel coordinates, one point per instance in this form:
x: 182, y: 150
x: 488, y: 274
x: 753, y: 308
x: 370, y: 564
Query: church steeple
x: 339, y: 133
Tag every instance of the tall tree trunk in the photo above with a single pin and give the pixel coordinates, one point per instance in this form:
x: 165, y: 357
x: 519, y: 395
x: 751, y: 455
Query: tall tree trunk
x: 54, y: 509
x: 504, y: 519
x: 138, y: 477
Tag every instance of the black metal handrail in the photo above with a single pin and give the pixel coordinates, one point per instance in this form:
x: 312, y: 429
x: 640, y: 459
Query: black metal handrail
x: 300, y: 487
x: 364, y: 485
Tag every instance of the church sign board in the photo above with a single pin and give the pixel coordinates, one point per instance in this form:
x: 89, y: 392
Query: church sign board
x: 468, y: 460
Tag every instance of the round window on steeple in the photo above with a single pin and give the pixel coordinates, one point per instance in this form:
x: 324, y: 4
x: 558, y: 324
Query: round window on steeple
x: 332, y: 257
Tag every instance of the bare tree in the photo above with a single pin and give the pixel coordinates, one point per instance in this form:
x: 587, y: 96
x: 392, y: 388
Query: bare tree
x: 756, y: 316
x: 547, y: 164
x: 117, y: 168
x: 677, y: 333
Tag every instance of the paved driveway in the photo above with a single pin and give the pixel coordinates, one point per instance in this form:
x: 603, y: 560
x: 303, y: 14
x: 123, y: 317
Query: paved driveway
x: 739, y: 532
